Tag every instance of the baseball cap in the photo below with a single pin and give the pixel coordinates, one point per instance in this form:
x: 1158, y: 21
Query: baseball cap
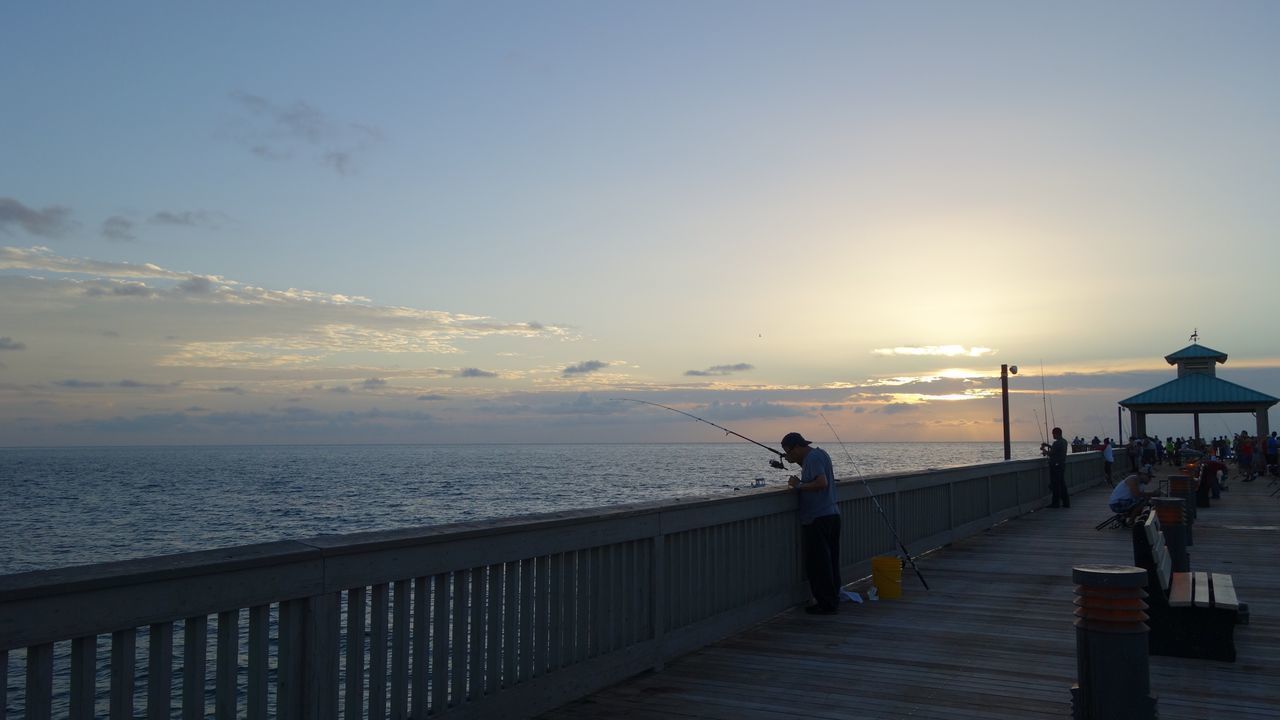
x: 793, y: 439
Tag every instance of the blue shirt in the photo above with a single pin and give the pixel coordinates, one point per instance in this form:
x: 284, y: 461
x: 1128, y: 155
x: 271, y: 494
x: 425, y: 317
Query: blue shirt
x: 817, y: 503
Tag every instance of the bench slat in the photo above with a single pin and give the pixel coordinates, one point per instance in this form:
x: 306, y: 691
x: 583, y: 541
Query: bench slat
x: 1224, y: 592
x: 1152, y: 528
x: 1201, y: 589
x: 1180, y: 591
x: 1164, y: 568
x: 1159, y: 550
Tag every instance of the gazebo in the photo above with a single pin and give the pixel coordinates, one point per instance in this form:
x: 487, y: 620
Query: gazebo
x: 1197, y: 390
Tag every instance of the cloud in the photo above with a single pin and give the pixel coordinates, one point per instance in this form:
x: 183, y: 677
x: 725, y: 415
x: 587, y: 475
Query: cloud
x: 945, y: 350
x: 431, y: 396
x: 372, y: 383
x: 118, y: 228
x: 8, y: 343
x: 73, y: 383
x: 53, y: 221
x: 188, y: 218
x: 720, y: 370
x: 292, y: 422
x: 476, y: 373
x: 42, y: 258
x: 196, y: 285
x: 901, y: 407
x: 748, y: 410
x: 136, y: 384
x: 119, y: 289
x: 278, y: 132
x: 584, y: 404
x: 234, y: 389
x: 584, y: 367
x: 291, y: 327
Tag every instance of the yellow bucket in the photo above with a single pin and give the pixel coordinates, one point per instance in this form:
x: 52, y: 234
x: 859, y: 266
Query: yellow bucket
x: 886, y: 575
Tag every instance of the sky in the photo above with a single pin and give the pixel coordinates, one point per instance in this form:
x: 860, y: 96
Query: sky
x: 430, y: 222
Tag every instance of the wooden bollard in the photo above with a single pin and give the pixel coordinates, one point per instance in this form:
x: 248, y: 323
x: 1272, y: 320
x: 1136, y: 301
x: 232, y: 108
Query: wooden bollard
x: 1112, y: 666
x: 1180, y: 487
x: 1172, y: 513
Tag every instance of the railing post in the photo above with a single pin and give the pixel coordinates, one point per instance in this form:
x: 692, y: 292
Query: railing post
x: 658, y: 598
x: 320, y: 653
x: 1113, y: 671
x: 308, y: 676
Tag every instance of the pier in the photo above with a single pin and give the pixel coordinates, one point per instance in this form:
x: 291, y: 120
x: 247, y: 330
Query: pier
x: 992, y: 639
x: 674, y: 609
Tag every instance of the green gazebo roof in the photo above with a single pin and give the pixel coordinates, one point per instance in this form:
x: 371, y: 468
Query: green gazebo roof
x: 1195, y: 351
x: 1198, y: 389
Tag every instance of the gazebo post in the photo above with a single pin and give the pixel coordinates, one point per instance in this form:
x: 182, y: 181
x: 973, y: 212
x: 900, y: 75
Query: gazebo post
x: 1196, y: 425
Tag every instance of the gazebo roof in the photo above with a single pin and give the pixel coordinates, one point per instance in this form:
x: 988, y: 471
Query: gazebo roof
x: 1195, y: 351
x: 1197, y: 389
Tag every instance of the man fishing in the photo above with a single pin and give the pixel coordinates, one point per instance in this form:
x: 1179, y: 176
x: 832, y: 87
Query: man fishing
x: 1057, y: 453
x: 819, y: 521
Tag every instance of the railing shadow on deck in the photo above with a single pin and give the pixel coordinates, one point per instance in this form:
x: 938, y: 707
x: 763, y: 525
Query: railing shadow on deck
x: 503, y: 618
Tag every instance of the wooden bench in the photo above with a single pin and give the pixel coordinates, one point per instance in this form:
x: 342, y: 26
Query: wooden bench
x: 1191, y: 614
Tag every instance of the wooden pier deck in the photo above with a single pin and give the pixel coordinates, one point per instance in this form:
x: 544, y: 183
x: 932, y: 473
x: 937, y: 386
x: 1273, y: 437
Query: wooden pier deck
x: 992, y: 639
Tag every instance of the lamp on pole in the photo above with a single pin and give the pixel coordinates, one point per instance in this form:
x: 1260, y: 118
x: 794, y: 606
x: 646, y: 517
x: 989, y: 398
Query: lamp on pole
x: 1004, y: 401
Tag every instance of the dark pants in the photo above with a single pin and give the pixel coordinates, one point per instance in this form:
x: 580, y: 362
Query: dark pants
x: 820, y: 544
x: 1058, y: 486
x: 1106, y: 468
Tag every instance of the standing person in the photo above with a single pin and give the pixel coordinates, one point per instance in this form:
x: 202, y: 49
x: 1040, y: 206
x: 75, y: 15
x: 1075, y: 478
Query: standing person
x: 1244, y: 455
x: 1273, y: 452
x: 819, y: 521
x: 1210, y: 485
x: 1108, y: 459
x: 1057, y: 453
x: 1149, y: 452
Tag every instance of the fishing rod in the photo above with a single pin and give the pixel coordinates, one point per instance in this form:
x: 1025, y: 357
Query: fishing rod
x: 875, y: 500
x: 1044, y: 401
x: 1038, y: 430
x: 774, y: 463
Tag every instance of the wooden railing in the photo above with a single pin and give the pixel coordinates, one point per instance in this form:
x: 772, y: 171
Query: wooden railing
x: 496, y: 619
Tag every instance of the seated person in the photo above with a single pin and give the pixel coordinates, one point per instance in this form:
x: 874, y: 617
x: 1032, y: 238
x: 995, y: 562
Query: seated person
x: 1129, y: 494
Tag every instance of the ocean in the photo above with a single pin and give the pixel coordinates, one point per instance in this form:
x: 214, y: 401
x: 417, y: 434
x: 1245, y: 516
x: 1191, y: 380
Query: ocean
x: 74, y: 506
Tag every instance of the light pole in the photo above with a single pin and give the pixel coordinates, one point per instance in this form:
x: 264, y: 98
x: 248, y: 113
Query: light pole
x: 1004, y: 400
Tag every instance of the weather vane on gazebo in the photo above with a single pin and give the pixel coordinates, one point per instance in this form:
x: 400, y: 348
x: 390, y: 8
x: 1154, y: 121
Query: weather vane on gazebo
x: 1195, y: 334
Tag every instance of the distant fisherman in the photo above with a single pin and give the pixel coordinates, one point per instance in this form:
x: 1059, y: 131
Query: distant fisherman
x: 819, y: 521
x: 1057, y: 453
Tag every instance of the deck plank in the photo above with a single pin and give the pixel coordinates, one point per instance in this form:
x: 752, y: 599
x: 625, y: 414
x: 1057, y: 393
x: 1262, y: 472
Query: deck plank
x: 993, y: 639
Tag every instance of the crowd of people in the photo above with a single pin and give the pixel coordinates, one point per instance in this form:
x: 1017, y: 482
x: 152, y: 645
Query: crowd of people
x: 1208, y: 463
x: 1253, y: 456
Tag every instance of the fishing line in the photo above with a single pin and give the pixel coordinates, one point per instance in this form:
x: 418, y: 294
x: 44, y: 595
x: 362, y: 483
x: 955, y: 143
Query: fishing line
x: 884, y: 516
x: 1044, y: 403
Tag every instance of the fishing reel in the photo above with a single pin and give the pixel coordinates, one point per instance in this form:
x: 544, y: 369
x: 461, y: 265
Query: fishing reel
x: 777, y: 465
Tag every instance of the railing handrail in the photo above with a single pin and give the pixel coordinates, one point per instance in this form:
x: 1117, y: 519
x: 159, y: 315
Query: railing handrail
x: 569, y: 600
x: 94, y: 576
